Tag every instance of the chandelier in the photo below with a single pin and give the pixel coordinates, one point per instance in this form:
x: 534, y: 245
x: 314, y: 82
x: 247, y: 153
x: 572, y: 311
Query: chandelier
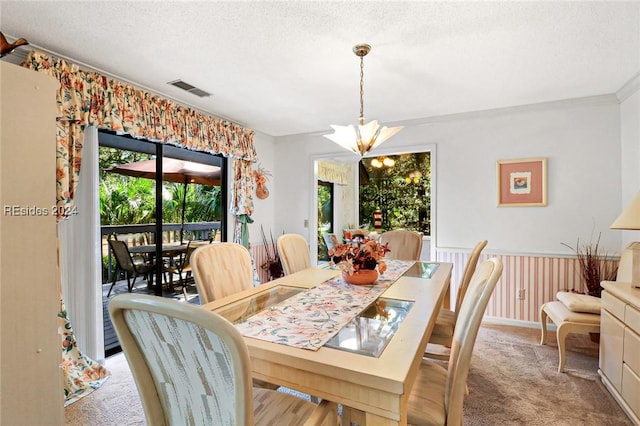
x: 367, y: 136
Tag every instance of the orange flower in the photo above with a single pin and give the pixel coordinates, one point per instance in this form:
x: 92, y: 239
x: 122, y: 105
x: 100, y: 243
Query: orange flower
x: 382, y: 267
x: 60, y: 173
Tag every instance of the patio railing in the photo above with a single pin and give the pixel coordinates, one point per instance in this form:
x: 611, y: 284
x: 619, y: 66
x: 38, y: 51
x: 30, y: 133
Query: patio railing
x: 145, y: 234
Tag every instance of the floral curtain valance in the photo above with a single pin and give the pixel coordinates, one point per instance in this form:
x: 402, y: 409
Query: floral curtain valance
x: 91, y: 99
x: 96, y: 100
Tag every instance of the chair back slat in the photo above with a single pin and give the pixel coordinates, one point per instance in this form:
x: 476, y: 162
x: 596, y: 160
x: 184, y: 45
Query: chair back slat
x: 469, y: 269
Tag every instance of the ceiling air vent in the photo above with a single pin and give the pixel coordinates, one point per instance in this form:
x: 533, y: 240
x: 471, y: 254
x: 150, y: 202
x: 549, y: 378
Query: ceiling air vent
x: 189, y: 88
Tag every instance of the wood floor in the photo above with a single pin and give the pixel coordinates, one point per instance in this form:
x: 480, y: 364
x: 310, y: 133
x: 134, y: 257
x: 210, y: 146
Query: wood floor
x: 111, y: 344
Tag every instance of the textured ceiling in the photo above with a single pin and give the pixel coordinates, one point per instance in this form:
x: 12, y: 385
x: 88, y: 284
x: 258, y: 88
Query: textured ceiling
x: 287, y: 67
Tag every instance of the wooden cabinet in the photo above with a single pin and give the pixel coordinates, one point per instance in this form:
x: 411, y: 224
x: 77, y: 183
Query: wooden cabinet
x: 611, y: 337
x: 30, y: 348
x: 620, y: 345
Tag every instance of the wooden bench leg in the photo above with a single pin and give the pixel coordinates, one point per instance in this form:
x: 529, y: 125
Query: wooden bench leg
x: 543, y: 324
x: 561, y: 334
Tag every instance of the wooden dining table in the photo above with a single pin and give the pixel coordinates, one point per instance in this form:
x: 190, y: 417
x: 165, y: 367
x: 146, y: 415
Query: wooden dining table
x: 372, y: 389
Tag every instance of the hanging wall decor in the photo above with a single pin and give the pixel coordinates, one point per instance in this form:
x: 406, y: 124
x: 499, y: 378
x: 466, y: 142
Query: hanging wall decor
x: 522, y: 182
x: 261, y: 176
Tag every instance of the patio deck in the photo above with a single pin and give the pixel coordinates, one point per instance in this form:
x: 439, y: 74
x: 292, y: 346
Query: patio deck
x: 111, y: 344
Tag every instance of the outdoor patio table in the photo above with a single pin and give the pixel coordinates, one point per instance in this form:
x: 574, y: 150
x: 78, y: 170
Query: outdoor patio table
x: 168, y: 250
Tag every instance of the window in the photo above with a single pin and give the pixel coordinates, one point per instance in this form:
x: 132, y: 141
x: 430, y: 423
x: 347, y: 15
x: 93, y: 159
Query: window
x: 399, y: 186
x: 325, y: 216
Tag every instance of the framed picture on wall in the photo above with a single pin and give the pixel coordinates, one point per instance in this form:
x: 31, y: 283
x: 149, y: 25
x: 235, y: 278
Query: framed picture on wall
x: 522, y: 182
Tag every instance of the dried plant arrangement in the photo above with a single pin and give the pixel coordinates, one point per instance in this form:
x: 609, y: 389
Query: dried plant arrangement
x: 272, y: 265
x: 595, y: 266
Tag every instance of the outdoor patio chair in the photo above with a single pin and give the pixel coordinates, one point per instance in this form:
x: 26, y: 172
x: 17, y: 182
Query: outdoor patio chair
x: 182, y: 267
x: 192, y: 366
x: 132, y: 267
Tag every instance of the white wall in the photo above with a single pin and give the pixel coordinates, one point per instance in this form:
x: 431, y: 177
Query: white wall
x: 629, y: 96
x: 294, y: 164
x: 580, y: 138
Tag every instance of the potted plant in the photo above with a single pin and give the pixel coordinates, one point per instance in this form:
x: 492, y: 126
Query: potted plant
x: 272, y: 265
x: 595, y: 266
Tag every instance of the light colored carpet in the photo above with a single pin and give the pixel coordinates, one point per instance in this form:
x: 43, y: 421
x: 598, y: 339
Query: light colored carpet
x: 513, y: 381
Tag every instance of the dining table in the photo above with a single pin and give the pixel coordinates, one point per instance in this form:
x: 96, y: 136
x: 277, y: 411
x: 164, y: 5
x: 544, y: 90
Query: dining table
x: 370, y: 363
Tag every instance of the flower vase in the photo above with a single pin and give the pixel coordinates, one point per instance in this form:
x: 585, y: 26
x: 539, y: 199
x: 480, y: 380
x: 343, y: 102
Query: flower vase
x: 361, y: 277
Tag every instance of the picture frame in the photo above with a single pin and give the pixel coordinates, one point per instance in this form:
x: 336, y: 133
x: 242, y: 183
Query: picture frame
x: 522, y: 182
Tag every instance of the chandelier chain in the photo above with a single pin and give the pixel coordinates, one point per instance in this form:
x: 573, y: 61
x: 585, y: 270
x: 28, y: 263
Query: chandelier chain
x: 361, y: 89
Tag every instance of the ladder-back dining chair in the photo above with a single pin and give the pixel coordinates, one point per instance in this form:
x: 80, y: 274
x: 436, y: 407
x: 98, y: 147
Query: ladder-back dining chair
x: 442, y: 333
x: 293, y: 252
x: 403, y: 244
x: 221, y: 269
x: 192, y: 367
x: 437, y: 395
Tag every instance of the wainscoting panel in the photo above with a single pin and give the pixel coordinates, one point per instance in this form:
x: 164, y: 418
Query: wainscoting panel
x: 259, y: 254
x: 538, y: 277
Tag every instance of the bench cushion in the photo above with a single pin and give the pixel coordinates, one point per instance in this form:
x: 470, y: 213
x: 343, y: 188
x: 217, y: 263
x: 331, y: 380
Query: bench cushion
x: 579, y: 302
x: 559, y: 313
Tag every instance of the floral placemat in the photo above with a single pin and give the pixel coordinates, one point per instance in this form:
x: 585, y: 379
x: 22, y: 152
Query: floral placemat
x: 309, y: 319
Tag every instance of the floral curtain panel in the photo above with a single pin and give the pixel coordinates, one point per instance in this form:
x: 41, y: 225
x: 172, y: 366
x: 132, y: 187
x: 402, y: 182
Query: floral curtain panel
x: 91, y: 99
x: 82, y: 375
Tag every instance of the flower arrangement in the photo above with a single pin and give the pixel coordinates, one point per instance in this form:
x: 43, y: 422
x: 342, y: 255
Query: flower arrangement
x: 366, y: 255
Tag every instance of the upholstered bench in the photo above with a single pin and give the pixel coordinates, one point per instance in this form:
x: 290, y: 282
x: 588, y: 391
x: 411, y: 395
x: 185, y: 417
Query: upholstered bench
x: 571, y: 313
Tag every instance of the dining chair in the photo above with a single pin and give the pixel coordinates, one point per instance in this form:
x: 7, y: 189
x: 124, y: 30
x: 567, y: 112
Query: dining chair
x: 221, y: 269
x: 442, y: 333
x: 293, y: 252
x: 330, y: 239
x: 132, y: 267
x: 182, y: 267
x: 438, y: 394
x: 192, y: 366
x: 403, y: 244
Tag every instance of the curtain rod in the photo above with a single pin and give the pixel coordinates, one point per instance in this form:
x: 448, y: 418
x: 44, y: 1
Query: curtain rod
x: 24, y: 51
